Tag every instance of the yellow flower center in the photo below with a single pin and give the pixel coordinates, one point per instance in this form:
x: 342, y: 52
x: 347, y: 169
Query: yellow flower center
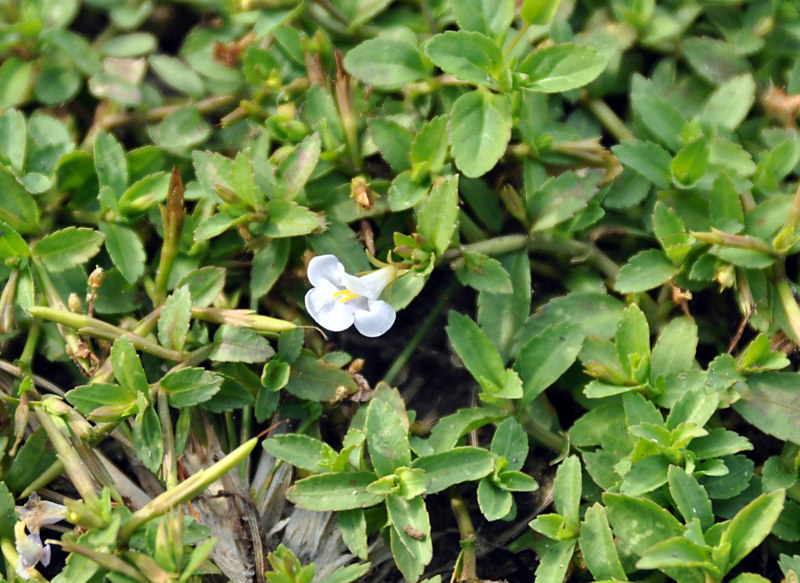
x: 348, y: 295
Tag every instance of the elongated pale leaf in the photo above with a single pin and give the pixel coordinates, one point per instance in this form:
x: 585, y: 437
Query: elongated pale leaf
x: 639, y: 523
x: 690, y: 497
x: 478, y: 354
x: 387, y: 438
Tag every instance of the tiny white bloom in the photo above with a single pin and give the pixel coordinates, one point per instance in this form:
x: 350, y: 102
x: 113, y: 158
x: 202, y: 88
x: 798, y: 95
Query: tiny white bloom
x: 35, y: 514
x: 338, y: 300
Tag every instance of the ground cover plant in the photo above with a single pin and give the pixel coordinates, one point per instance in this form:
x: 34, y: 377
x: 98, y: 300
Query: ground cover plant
x: 374, y: 290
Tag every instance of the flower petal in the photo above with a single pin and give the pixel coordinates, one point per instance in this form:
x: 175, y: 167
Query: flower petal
x: 328, y: 311
x: 372, y: 284
x: 324, y: 268
x: 376, y: 320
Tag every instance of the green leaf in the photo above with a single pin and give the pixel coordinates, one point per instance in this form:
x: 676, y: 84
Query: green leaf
x: 478, y: 354
x: 7, y: 514
x: 690, y: 497
x: 438, y: 215
x: 675, y: 552
x: 769, y: 402
x: 127, y: 367
x: 460, y: 464
x: 144, y: 194
x: 385, y: 63
x: 671, y: 233
x: 539, y: 12
x: 301, y: 451
x: 648, y: 159
x: 287, y: 219
x: 404, y: 193
x: 563, y: 196
x: 567, y: 491
x: 470, y: 56
x: 148, y: 440
x: 393, y: 142
x: 13, y: 140
x: 339, y: 491
x: 561, y: 68
x: 177, y: 74
x: 173, y: 324
x: 429, y: 148
x: 411, y: 525
x: 645, y: 475
x: 480, y: 127
x: 124, y: 46
x: 451, y: 428
x: 68, y: 247
x: 268, y: 264
x: 353, y: 526
x: 494, y: 502
x: 690, y: 163
x: 658, y: 116
x: 547, y: 356
x: 11, y: 243
x: 645, y: 270
x: 554, y: 563
x: 729, y: 104
x: 387, y: 438
x: 316, y: 380
x: 110, y: 164
x: 104, y: 401
x: 751, y: 525
x: 182, y: 129
x: 638, y: 522
x: 116, y: 399
x: 714, y: 60
x: 204, y: 284
x: 675, y: 348
x: 31, y: 461
x: 492, y: 20
x: 235, y: 344
x: 511, y: 442
x: 19, y: 208
x: 483, y: 273
x: 597, y: 546
x: 15, y: 80
x: 126, y: 250
x: 298, y: 166
x: 56, y: 84
x: 186, y: 387
x: 633, y: 343
x: 501, y: 316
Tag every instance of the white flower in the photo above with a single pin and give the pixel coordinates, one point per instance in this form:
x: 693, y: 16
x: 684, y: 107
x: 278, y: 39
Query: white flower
x: 35, y: 514
x: 338, y: 299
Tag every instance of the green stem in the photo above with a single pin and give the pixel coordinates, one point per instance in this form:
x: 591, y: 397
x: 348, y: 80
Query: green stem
x: 186, y: 490
x: 170, y: 460
x: 516, y: 40
x: 788, y: 302
x: 540, y: 434
x: 73, y: 464
x: 609, y: 119
x: 466, y: 530
x: 404, y: 356
x: 174, y: 215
